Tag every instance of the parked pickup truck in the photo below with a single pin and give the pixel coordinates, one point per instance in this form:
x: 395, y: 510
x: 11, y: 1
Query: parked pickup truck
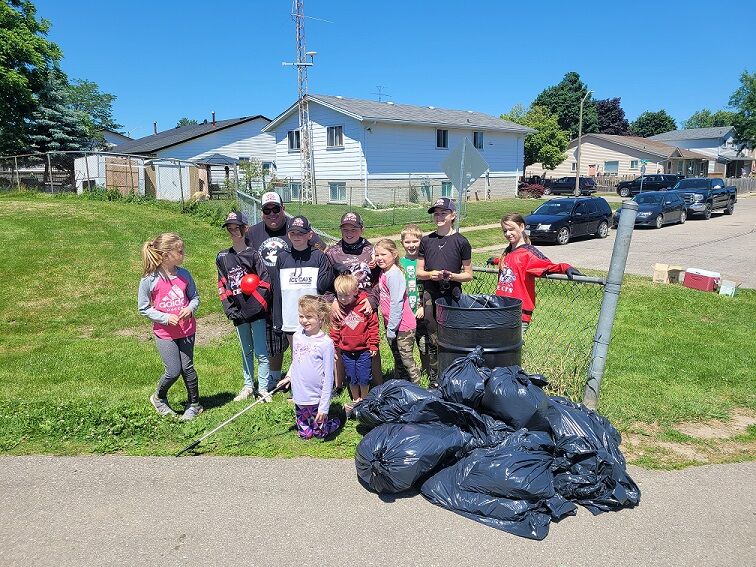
x: 703, y: 195
x: 658, y: 182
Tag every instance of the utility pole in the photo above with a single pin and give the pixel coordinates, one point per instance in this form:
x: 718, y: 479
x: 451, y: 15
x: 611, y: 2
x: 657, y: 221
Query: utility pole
x: 580, y: 141
x: 305, y: 140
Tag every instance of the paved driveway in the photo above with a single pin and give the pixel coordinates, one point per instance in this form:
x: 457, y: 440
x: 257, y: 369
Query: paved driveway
x: 241, y: 511
x: 725, y: 244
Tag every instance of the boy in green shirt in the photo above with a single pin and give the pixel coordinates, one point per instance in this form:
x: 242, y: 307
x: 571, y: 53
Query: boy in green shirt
x: 410, y: 238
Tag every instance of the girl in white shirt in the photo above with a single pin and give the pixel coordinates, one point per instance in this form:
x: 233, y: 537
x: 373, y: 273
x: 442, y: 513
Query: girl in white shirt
x: 311, y: 371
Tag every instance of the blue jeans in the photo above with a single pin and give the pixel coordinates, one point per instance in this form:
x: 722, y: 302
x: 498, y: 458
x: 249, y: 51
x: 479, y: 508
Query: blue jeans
x: 358, y: 367
x: 253, y: 343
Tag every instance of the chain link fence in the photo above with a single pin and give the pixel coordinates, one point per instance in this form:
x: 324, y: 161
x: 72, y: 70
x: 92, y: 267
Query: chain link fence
x: 559, y: 341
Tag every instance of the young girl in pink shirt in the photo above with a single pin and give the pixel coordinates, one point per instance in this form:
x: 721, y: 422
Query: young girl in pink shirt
x: 397, y: 314
x: 168, y: 297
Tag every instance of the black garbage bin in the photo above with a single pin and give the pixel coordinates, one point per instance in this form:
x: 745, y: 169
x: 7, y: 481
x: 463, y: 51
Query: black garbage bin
x: 489, y: 321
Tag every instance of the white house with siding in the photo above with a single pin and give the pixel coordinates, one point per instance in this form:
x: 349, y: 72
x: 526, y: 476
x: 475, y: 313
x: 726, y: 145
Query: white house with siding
x: 726, y: 158
x: 168, y: 168
x: 374, y: 151
x: 607, y: 154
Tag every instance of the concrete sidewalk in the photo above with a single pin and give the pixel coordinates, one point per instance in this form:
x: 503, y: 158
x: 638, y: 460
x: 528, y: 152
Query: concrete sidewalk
x: 230, y: 511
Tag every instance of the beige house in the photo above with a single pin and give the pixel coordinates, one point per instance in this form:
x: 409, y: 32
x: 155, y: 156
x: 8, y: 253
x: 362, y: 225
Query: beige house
x: 605, y: 154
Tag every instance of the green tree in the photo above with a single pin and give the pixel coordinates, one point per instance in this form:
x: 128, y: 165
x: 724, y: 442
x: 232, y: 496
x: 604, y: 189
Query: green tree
x: 743, y: 100
x: 652, y: 123
x: 55, y: 126
x: 611, y: 117
x: 186, y: 122
x: 548, y: 143
x: 85, y: 97
x: 705, y: 118
x: 25, y: 57
x: 563, y: 100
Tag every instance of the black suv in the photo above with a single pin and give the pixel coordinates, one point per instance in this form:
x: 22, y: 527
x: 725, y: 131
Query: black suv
x: 559, y: 220
x: 566, y: 186
x: 658, y: 182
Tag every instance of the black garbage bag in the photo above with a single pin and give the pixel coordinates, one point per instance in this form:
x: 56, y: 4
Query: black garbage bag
x: 395, y: 457
x: 388, y: 402
x: 464, y: 380
x: 509, y: 487
x: 590, y: 469
x: 515, y: 397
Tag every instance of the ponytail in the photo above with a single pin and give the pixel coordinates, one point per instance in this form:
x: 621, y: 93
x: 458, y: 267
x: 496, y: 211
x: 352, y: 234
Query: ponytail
x: 153, y: 251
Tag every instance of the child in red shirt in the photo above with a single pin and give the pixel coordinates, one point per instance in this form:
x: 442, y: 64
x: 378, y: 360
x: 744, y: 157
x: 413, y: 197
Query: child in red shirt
x: 521, y: 263
x: 355, y: 336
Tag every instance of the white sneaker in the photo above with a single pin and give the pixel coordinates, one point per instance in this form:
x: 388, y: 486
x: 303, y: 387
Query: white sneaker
x: 245, y: 394
x: 265, y: 396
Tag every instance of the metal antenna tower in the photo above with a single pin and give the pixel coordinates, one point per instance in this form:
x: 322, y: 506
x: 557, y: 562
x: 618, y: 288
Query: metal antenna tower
x: 381, y: 93
x: 305, y: 146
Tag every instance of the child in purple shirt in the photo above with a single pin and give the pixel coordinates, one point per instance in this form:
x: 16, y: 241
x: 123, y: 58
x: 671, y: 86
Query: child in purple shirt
x: 311, y: 371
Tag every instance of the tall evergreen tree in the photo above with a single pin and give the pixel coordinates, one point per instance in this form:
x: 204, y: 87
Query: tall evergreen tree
x: 25, y: 57
x: 652, y: 123
x: 55, y: 126
x: 563, y: 100
x: 611, y: 117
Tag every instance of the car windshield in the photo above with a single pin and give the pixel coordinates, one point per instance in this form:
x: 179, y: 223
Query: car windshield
x: 647, y: 198
x: 692, y: 184
x: 558, y: 208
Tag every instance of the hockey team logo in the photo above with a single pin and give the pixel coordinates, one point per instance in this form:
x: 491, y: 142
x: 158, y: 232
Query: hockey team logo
x: 350, y: 217
x: 298, y: 222
x: 270, y: 248
x: 439, y: 203
x: 300, y: 280
x: 174, y: 298
x: 506, y: 279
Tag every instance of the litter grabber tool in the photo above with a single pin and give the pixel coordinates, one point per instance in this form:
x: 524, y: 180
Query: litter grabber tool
x: 267, y: 397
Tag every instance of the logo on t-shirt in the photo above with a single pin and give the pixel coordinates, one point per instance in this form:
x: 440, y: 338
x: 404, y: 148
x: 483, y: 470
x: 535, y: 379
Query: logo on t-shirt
x: 506, y: 279
x: 174, y: 298
x: 270, y: 248
x: 352, y: 320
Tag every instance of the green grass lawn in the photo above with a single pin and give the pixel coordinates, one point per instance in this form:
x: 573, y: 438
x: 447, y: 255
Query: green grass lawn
x: 77, y: 364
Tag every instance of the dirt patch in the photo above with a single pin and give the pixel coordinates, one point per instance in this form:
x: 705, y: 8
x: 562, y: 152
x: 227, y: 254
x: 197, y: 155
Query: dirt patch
x: 210, y: 328
x: 739, y: 421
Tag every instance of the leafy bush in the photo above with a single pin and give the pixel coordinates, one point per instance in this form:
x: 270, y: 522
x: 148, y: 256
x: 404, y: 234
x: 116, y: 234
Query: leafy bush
x: 531, y: 191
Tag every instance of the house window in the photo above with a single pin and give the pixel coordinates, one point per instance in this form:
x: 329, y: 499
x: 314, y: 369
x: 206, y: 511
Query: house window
x: 611, y: 167
x: 446, y: 189
x: 442, y: 138
x: 574, y: 166
x: 478, y: 140
x: 267, y: 166
x: 243, y: 159
x: 337, y: 192
x: 633, y: 164
x: 294, y: 141
x: 295, y: 191
x: 335, y: 136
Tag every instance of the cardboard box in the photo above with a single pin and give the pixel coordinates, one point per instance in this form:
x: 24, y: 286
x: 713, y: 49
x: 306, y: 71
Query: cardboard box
x: 728, y: 288
x: 702, y: 280
x: 668, y: 273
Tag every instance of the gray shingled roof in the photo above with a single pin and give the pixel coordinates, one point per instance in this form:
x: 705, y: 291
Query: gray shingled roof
x: 692, y: 134
x: 647, y: 145
x: 162, y: 140
x: 368, y: 110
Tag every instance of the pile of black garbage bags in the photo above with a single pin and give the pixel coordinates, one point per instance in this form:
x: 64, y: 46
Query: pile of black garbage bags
x: 490, y: 445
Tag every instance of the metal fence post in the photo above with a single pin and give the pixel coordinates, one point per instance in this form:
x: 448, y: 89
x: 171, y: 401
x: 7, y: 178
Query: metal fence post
x: 49, y: 171
x: 18, y: 177
x: 181, y: 184
x: 86, y: 166
x: 609, y: 303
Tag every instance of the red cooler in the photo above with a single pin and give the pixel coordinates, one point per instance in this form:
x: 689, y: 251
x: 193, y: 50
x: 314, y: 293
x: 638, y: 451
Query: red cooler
x: 701, y: 279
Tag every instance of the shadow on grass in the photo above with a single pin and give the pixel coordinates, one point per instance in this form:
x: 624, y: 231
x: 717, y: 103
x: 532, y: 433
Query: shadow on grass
x: 217, y: 400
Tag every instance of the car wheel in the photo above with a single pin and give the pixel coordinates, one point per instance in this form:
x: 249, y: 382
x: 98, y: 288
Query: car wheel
x: 603, y: 230
x: 624, y: 192
x: 683, y: 216
x: 659, y: 221
x: 707, y: 211
x: 730, y: 207
x: 547, y: 190
x: 563, y: 236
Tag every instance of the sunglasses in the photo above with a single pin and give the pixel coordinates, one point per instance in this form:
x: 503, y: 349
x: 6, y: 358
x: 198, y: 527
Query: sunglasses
x: 271, y: 210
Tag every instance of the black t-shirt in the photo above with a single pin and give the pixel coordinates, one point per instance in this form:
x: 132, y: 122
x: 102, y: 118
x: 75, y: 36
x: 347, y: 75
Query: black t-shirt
x: 443, y: 253
x: 269, y: 242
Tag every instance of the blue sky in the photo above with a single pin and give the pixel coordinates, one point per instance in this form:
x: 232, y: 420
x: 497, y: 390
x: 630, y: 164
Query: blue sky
x: 165, y: 59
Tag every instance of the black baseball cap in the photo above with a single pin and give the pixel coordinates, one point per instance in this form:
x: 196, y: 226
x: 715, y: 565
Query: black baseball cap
x: 351, y: 218
x: 443, y: 203
x: 239, y: 219
x: 299, y: 224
